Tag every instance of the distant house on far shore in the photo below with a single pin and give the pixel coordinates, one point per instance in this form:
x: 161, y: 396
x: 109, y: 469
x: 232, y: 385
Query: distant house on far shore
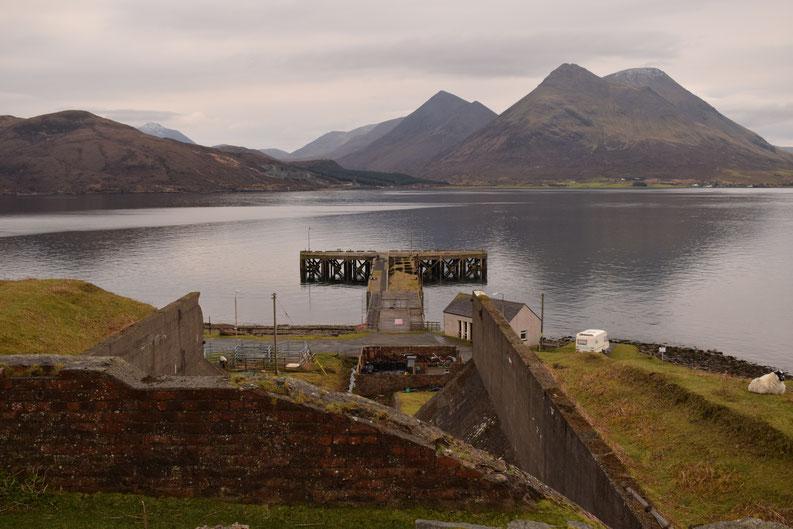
x: 457, y: 318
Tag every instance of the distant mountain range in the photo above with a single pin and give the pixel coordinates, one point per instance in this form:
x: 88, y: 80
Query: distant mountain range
x: 635, y: 123
x: 155, y: 129
x: 78, y: 152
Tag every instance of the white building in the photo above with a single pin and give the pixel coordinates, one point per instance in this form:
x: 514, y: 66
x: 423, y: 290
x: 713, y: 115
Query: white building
x: 457, y: 318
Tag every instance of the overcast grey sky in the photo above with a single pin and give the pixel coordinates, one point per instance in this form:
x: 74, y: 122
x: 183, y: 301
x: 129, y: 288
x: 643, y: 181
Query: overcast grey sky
x: 273, y: 73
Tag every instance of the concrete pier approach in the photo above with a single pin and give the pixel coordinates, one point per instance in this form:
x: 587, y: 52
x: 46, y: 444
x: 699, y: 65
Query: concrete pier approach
x: 394, y: 293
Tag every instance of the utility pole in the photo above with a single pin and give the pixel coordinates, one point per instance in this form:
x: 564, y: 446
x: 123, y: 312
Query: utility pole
x: 275, y: 336
x: 309, y: 238
x: 235, y: 312
x: 542, y: 317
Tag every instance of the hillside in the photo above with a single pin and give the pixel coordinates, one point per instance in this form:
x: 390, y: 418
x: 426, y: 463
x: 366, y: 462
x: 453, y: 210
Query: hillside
x: 78, y: 152
x: 333, y: 171
x: 705, y: 448
x: 61, y: 316
x: 637, y: 123
x: 440, y: 123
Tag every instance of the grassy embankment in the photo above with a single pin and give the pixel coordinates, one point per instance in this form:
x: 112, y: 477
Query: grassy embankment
x: 61, y: 316
x: 703, y: 447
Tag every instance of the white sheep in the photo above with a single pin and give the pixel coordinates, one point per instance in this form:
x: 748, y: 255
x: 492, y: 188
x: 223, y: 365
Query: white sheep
x: 773, y: 383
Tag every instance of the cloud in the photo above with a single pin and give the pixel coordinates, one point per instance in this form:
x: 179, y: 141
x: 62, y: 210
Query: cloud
x: 489, y: 55
x: 134, y: 117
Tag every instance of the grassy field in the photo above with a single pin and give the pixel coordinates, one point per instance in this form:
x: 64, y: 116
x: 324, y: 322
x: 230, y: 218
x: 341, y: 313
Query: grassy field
x: 33, y: 509
x: 411, y: 402
x: 61, y: 316
x: 703, y: 447
x: 336, y: 374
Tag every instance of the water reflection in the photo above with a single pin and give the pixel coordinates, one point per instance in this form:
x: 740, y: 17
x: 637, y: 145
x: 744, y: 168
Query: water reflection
x: 707, y: 267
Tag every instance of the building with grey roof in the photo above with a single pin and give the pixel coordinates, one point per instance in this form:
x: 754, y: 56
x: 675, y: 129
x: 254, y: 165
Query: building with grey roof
x: 457, y: 319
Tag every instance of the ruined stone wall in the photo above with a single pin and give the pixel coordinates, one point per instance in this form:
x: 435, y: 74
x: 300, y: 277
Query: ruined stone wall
x: 100, y: 424
x: 168, y: 342
x: 550, y: 438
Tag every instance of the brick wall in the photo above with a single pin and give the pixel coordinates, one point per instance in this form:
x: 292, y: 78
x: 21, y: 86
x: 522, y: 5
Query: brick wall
x: 99, y: 424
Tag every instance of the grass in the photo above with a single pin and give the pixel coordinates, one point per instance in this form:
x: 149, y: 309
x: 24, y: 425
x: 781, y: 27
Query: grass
x: 337, y: 371
x: 704, y: 448
x: 287, y: 337
x: 403, y: 282
x: 61, y: 316
x: 411, y: 402
x: 98, y: 511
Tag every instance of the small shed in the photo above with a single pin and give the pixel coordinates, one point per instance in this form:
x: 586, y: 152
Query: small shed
x: 458, y: 318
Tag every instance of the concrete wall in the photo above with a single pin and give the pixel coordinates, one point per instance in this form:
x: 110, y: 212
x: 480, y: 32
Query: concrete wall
x: 551, y: 440
x: 168, y: 342
x: 99, y: 424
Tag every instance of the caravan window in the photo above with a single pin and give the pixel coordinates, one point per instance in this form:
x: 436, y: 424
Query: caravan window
x: 582, y: 342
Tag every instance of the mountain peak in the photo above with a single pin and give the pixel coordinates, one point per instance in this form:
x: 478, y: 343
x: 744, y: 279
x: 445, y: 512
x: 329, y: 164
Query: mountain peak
x: 444, y: 98
x: 641, y: 77
x: 569, y: 76
x: 155, y: 129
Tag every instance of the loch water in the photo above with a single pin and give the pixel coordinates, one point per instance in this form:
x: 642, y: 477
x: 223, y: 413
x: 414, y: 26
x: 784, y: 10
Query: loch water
x: 711, y: 268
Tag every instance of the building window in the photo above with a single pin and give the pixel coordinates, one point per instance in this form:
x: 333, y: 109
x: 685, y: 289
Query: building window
x: 459, y: 328
x: 523, y: 335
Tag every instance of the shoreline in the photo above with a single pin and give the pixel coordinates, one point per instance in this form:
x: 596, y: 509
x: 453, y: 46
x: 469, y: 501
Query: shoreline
x: 708, y: 360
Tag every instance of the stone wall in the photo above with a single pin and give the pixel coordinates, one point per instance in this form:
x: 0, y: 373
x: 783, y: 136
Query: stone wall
x: 550, y: 438
x: 100, y: 424
x: 168, y: 342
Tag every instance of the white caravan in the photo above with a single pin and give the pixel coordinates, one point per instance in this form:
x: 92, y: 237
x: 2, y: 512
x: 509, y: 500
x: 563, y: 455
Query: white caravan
x: 592, y: 340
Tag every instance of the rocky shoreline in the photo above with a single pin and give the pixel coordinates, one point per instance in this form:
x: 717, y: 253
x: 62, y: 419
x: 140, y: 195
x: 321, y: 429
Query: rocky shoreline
x: 710, y: 360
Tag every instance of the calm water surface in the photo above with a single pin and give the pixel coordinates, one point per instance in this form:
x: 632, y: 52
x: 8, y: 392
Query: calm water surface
x: 710, y: 268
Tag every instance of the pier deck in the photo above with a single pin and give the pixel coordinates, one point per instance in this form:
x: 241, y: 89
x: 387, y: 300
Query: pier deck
x: 394, y: 293
x: 355, y: 266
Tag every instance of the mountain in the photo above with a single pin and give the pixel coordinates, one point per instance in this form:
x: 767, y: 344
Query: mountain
x: 336, y: 144
x: 278, y: 154
x: 361, y: 141
x: 788, y: 149
x: 155, y: 129
x: 327, y: 143
x: 78, y: 152
x: 440, y: 123
x: 634, y: 123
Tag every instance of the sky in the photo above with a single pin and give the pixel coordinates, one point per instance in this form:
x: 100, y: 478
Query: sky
x: 278, y: 74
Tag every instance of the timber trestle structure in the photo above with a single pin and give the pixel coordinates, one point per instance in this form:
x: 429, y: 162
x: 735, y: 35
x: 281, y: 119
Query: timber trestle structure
x: 432, y: 266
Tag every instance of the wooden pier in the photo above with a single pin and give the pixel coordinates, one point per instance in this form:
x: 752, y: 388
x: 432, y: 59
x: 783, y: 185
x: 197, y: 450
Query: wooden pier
x: 394, y: 294
x: 432, y: 266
